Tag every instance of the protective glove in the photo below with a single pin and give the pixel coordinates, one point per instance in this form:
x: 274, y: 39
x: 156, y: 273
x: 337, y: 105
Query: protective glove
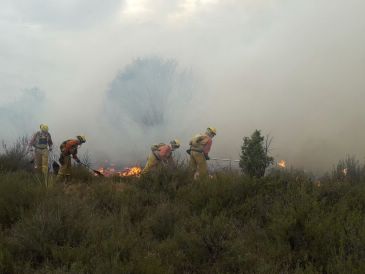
x: 78, y: 161
x: 188, y: 151
x: 207, y: 157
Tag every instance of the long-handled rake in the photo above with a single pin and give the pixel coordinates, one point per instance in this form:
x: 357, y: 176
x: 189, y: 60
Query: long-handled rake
x: 93, y: 170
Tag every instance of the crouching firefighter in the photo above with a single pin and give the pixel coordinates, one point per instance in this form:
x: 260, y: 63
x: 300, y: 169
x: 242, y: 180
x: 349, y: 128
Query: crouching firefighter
x: 161, y: 155
x: 69, y: 148
x: 199, y: 150
x: 42, y: 143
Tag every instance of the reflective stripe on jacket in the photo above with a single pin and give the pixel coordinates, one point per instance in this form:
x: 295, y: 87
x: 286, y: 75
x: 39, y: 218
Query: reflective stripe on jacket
x: 41, y: 140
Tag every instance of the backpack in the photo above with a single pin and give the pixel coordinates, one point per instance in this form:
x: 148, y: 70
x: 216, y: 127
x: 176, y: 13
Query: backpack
x: 196, y: 141
x: 156, y: 147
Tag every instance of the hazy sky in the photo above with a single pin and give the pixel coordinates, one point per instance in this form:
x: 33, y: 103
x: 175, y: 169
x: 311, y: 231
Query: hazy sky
x: 294, y: 69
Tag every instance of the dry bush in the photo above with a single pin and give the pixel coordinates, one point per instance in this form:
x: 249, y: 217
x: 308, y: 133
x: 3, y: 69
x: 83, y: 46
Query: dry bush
x: 16, y: 156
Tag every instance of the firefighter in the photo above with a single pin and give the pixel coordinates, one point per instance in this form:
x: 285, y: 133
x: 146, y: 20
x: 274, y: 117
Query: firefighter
x: 160, y: 155
x: 42, y: 143
x: 69, y: 148
x: 199, y: 150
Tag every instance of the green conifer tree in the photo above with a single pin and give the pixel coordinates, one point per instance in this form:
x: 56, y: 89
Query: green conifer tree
x: 254, y: 155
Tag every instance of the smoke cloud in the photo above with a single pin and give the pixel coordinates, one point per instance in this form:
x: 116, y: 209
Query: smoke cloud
x: 293, y: 69
x: 20, y: 116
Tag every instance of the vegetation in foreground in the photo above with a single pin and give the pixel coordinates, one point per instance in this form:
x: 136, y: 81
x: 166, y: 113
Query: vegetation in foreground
x: 166, y: 223
x: 285, y: 222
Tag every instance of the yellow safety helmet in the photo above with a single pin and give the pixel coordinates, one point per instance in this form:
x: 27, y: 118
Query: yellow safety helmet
x: 175, y: 143
x: 43, y: 127
x: 212, y: 130
x: 81, y: 138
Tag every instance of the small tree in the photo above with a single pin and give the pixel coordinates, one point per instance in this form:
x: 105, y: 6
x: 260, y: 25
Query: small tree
x: 254, y: 154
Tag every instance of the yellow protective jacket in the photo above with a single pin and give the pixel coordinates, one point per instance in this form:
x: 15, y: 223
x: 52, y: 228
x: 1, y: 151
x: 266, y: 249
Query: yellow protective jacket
x: 201, y: 143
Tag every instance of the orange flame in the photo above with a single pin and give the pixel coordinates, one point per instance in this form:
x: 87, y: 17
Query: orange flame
x: 282, y: 163
x: 134, y: 171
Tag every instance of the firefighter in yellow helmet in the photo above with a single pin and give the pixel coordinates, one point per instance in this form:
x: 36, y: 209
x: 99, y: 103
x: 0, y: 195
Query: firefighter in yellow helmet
x: 69, y: 148
x: 200, y: 146
x: 160, y: 155
x: 42, y: 143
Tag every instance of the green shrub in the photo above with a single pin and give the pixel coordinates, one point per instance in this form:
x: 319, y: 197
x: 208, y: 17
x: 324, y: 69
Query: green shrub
x: 105, y: 200
x: 19, y: 192
x: 6, y: 259
x: 81, y: 174
x: 53, y: 232
x: 167, y: 223
x: 255, y: 155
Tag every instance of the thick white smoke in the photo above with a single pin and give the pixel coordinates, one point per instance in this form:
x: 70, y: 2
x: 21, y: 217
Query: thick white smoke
x: 291, y: 68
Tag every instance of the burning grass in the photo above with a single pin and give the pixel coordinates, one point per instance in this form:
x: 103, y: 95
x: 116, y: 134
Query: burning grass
x: 134, y: 171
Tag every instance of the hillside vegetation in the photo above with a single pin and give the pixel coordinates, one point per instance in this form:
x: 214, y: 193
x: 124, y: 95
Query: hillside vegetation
x: 284, y: 222
x: 166, y: 223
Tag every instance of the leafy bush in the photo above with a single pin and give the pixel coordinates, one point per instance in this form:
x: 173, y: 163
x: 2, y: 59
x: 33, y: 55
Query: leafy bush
x: 54, y: 231
x: 81, y: 174
x: 18, y: 193
x: 255, y: 155
x: 168, y: 223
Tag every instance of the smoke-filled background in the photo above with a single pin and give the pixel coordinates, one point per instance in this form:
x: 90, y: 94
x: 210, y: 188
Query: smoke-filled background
x: 129, y: 73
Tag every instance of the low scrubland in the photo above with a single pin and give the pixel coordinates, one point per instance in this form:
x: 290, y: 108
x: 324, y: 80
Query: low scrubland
x: 286, y: 222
